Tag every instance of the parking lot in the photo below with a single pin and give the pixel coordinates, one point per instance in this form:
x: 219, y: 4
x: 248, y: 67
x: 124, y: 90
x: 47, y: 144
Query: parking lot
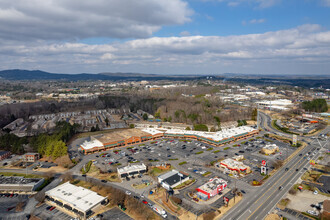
x: 44, y: 212
x: 9, y: 201
x: 115, y: 214
x: 194, y: 153
x: 192, y: 157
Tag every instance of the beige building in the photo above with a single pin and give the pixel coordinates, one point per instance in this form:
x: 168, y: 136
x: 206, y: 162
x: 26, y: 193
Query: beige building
x: 270, y: 149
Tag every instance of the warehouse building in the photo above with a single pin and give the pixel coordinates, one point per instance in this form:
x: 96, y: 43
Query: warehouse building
x: 126, y: 137
x: 131, y: 170
x: 76, y: 200
x: 172, y: 179
x: 19, y: 184
x: 212, y: 188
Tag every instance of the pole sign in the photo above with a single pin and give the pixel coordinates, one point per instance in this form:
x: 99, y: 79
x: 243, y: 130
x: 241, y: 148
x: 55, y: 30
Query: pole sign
x: 225, y: 199
x: 294, y: 139
x: 263, y: 163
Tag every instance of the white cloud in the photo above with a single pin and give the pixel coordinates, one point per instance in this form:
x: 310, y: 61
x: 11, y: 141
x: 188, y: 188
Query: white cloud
x: 303, y: 46
x: 185, y: 33
x: 326, y: 3
x: 257, y: 21
x: 79, y: 19
x: 256, y: 3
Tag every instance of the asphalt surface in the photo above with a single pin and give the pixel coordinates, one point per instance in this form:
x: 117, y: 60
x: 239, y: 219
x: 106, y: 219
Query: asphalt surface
x: 258, y: 206
x: 256, y: 203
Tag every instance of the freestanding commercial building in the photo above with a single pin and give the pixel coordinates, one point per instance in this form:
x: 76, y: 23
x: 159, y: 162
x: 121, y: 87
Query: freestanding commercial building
x: 172, y: 179
x: 212, y: 188
x: 78, y: 201
x: 131, y: 170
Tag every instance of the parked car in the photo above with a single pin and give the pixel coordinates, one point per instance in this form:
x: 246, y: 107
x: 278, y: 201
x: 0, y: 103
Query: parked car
x: 145, y: 202
x: 128, y: 193
x: 52, y: 208
x: 311, y: 212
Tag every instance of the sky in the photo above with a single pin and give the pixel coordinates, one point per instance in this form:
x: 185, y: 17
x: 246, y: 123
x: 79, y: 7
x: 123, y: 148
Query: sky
x: 166, y: 36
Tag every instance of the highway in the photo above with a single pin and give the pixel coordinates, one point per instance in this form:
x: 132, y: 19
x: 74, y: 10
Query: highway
x: 256, y: 207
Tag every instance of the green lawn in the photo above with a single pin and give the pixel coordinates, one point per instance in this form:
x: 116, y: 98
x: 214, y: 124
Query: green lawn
x: 200, y: 152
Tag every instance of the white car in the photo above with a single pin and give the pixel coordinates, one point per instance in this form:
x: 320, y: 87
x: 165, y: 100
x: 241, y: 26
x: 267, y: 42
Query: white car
x: 311, y: 212
x: 128, y: 193
x: 315, y: 192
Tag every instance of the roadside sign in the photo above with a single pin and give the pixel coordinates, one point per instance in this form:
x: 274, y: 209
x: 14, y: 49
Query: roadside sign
x: 225, y: 199
x: 312, y: 162
x: 294, y: 139
x: 263, y: 163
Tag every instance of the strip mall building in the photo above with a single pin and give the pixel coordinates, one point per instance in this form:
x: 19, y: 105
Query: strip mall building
x: 126, y: 137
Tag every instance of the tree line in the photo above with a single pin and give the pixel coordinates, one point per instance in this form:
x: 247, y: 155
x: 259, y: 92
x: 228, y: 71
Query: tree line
x: 316, y: 105
x: 50, y: 145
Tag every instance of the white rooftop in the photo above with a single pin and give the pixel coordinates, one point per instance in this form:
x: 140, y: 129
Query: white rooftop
x: 168, y: 174
x: 279, y: 102
x: 270, y: 146
x: 131, y: 168
x: 216, y: 136
x: 212, y: 184
x: 91, y: 144
x: 80, y: 198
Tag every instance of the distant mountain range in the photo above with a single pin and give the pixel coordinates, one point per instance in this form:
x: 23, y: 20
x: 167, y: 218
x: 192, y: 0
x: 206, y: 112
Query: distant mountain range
x: 17, y: 74
x: 303, y: 80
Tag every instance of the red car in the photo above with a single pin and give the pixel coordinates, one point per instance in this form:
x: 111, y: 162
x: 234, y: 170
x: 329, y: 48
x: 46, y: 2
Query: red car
x: 10, y: 208
x: 52, y: 208
x: 145, y: 202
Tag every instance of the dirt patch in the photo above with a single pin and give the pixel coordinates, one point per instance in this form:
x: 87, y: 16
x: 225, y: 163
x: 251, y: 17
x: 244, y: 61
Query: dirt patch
x: 272, y: 217
x: 56, y: 169
x: 302, y: 200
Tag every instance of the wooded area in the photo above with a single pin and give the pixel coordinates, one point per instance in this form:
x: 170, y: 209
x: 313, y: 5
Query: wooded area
x: 317, y: 105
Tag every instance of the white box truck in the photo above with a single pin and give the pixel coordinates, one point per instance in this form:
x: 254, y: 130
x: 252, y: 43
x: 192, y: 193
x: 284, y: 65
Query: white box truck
x: 160, y: 211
